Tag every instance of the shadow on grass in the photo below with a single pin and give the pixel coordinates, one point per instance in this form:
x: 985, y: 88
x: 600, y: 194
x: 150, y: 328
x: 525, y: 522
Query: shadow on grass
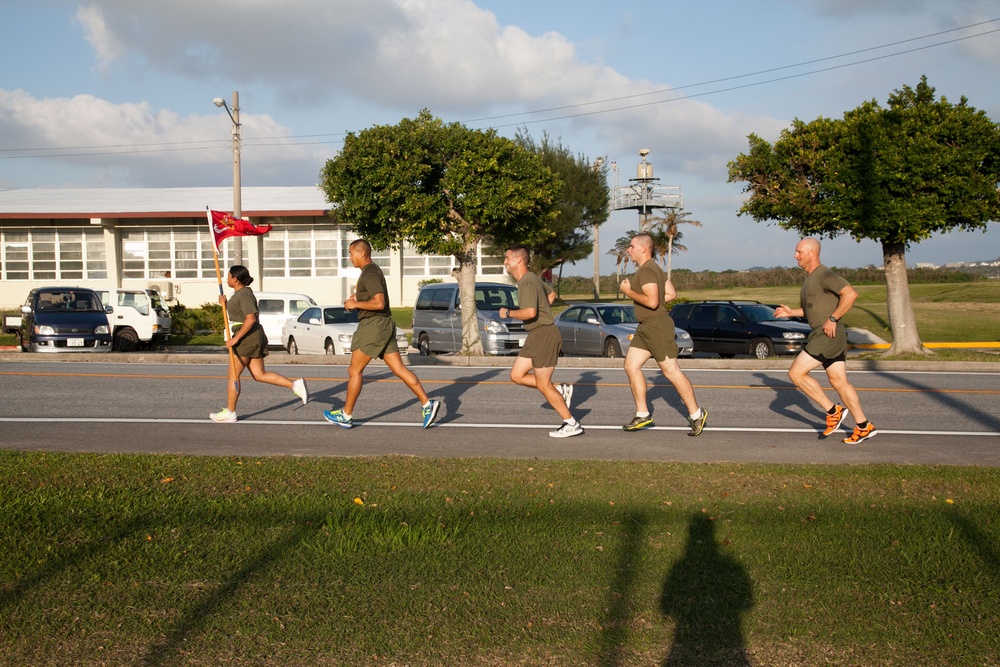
x: 875, y: 316
x: 706, y: 593
x: 614, y: 624
x: 195, y: 618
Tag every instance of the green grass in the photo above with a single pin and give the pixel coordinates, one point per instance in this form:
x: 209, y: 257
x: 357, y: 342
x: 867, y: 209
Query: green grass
x: 169, y: 560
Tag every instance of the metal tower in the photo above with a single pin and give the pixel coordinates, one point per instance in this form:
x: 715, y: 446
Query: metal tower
x: 644, y: 192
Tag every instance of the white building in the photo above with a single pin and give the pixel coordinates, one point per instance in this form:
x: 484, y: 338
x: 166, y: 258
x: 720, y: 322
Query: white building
x: 138, y: 237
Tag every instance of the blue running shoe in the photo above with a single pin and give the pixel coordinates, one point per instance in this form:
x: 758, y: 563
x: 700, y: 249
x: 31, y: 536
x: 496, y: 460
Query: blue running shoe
x: 339, y: 418
x: 430, y: 412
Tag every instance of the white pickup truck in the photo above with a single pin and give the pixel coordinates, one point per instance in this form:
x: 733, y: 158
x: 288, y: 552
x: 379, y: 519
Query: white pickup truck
x: 139, y: 317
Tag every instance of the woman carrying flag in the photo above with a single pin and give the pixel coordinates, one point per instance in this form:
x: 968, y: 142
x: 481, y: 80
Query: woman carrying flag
x: 248, y: 343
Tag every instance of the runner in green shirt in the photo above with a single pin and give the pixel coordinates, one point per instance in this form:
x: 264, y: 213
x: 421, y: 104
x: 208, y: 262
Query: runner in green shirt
x: 826, y: 298
x: 654, y: 338
x: 374, y: 337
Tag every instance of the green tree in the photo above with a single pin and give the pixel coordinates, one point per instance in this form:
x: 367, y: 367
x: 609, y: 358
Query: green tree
x: 665, y: 227
x: 895, y: 175
x: 444, y: 189
x: 584, y: 203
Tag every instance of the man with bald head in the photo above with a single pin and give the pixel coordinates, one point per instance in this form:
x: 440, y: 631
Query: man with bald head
x: 651, y: 291
x: 826, y: 298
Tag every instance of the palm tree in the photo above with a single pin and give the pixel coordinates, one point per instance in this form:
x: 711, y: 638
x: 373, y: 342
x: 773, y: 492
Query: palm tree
x: 664, y: 246
x: 620, y: 253
x: 667, y: 225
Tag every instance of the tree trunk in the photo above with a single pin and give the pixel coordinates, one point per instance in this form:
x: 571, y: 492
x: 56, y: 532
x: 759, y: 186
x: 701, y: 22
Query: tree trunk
x: 903, y: 324
x: 472, y: 344
x: 670, y: 254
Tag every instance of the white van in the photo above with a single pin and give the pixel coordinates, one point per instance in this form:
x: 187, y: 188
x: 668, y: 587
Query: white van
x: 276, y: 308
x: 138, y: 317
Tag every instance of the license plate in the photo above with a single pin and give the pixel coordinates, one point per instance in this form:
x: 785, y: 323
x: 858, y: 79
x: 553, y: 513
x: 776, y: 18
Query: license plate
x: 74, y: 342
x: 520, y: 342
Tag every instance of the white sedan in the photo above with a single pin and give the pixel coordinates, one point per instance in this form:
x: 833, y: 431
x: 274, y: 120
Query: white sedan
x: 325, y: 330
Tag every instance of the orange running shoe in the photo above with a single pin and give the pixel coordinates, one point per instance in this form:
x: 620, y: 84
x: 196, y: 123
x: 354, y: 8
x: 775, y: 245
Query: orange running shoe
x: 833, y: 421
x: 860, y: 435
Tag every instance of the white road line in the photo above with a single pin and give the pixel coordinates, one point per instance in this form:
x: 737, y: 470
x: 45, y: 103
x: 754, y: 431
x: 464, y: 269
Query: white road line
x: 598, y: 427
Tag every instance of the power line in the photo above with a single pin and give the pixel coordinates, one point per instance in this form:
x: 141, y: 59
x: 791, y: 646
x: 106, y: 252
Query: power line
x: 130, y: 149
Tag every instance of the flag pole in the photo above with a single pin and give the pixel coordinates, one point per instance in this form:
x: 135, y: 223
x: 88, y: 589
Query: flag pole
x: 233, y: 375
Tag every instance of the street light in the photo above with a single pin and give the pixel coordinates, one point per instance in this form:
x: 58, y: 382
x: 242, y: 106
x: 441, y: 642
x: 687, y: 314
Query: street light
x: 234, y: 115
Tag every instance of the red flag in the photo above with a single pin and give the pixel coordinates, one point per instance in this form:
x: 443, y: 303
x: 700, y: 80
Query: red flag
x: 224, y: 225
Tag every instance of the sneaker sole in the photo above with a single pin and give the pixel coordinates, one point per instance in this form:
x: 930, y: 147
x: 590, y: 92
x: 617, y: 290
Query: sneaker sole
x: 638, y: 428
x: 559, y: 434
x: 223, y: 421
x: 829, y: 431
x: 338, y: 423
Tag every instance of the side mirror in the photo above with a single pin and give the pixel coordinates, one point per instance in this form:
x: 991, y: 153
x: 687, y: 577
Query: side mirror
x: 108, y: 309
x: 591, y: 319
x: 26, y: 310
x: 314, y: 320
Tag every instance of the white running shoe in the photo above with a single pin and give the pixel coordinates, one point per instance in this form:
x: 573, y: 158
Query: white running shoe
x: 223, y: 416
x: 567, y: 430
x: 567, y: 392
x: 299, y: 389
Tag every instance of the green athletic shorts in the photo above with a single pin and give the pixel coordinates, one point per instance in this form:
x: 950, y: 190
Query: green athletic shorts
x: 375, y: 336
x: 253, y: 345
x: 542, y: 346
x: 656, y: 336
x: 821, y: 347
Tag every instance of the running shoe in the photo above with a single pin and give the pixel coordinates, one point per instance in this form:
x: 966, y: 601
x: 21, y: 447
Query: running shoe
x: 223, y: 416
x: 339, y: 418
x: 567, y: 430
x: 860, y: 435
x: 833, y: 421
x: 639, y: 423
x: 567, y: 392
x: 299, y: 389
x: 698, y: 425
x: 430, y: 412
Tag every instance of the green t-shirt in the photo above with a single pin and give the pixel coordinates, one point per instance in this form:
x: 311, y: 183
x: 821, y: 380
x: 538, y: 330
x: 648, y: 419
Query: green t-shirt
x: 242, y: 303
x: 372, y: 282
x: 650, y: 272
x: 820, y: 295
x: 532, y: 293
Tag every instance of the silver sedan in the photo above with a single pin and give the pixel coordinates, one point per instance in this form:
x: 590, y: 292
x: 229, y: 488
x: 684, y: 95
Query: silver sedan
x: 606, y: 330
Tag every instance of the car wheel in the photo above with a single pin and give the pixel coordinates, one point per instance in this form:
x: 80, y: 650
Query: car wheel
x: 330, y: 349
x: 424, y: 345
x: 126, y: 340
x: 292, y: 347
x: 612, y: 349
x: 762, y: 348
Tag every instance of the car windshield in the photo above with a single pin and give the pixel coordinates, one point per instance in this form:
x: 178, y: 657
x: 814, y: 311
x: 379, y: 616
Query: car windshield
x: 495, y: 298
x: 158, y: 306
x: 67, y: 301
x: 757, y: 313
x: 339, y: 316
x: 617, y: 314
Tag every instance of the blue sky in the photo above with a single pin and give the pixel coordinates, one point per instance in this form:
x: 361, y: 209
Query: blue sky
x: 115, y: 93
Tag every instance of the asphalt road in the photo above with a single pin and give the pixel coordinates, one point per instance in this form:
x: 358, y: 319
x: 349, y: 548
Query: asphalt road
x: 923, y: 417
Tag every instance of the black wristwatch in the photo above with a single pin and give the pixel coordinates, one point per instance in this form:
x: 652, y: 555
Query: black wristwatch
x: 833, y: 319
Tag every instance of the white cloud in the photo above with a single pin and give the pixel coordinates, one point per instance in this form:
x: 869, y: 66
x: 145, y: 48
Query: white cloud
x: 106, y: 45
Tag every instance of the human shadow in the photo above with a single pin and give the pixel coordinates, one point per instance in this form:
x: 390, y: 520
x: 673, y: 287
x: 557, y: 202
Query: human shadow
x: 707, y: 592
x: 990, y: 421
x: 618, y: 611
x: 450, y: 394
x: 789, y: 402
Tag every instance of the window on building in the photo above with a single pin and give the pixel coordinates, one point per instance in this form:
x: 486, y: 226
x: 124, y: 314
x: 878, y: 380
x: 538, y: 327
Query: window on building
x: 317, y: 251
x: 177, y: 252
x: 52, y: 254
